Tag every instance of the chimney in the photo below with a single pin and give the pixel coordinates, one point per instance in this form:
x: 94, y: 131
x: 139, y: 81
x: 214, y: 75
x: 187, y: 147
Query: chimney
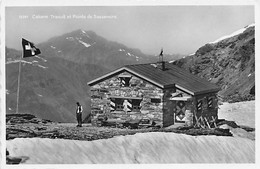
x: 161, y: 62
x: 163, y: 65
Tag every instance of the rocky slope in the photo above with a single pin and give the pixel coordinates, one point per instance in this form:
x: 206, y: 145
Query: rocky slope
x: 228, y: 62
x: 28, y: 126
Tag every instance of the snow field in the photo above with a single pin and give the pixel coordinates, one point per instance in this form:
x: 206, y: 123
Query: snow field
x: 243, y: 113
x: 139, y: 148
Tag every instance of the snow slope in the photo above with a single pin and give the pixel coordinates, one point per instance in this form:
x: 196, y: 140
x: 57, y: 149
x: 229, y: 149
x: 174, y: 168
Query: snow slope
x: 243, y: 113
x: 138, y: 148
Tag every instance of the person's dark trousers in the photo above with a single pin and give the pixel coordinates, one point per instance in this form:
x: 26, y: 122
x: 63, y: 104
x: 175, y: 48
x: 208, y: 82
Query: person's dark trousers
x: 79, y: 118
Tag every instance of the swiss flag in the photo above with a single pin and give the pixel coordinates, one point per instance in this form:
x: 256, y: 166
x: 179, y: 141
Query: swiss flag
x: 29, y: 49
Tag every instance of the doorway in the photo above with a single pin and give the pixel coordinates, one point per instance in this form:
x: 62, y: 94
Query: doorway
x: 180, y: 111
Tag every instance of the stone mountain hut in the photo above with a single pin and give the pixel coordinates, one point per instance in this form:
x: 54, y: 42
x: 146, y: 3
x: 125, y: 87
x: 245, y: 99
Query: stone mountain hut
x: 161, y: 92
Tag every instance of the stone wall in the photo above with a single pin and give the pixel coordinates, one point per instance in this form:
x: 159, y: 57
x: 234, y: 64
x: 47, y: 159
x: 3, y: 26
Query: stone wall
x: 206, y: 106
x: 150, y: 97
x: 168, y: 107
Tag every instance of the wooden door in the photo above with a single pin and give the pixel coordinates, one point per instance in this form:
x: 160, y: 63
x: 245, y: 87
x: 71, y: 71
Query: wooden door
x: 180, y: 111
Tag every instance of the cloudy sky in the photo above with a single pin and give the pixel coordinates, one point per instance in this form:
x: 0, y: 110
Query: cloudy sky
x: 178, y: 29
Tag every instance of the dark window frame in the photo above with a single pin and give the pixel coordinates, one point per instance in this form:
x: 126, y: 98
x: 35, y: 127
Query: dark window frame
x: 153, y: 100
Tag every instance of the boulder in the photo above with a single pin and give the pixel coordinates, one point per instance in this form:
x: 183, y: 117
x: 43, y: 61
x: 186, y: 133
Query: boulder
x: 229, y: 123
x: 15, y: 160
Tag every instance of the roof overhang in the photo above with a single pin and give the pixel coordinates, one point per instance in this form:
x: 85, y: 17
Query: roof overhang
x: 105, y: 77
x: 185, y: 90
x: 197, y: 93
x: 125, y: 69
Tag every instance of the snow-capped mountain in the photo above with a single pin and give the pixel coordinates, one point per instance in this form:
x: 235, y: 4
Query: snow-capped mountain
x: 87, y: 47
x: 229, y: 62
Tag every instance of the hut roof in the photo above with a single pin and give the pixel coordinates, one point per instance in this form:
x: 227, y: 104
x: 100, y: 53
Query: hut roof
x: 167, y: 77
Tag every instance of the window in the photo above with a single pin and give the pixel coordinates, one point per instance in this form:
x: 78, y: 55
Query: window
x: 124, y: 80
x: 116, y: 104
x: 119, y: 104
x: 136, y: 104
x: 210, y: 102
x: 155, y: 100
x: 199, y: 105
x: 125, y: 104
x: 119, y: 107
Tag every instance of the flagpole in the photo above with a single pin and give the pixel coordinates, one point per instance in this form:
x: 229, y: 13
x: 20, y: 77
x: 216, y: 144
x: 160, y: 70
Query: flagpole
x: 18, y: 86
x: 27, y: 46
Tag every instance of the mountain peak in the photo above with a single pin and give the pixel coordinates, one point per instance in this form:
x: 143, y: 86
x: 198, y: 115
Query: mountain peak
x: 81, y: 32
x: 87, y: 32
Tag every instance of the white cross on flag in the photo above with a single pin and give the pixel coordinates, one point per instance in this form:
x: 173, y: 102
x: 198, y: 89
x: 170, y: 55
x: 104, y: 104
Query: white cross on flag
x: 29, y: 49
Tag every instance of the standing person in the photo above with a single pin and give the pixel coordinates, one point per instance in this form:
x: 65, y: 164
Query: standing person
x: 79, y: 114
